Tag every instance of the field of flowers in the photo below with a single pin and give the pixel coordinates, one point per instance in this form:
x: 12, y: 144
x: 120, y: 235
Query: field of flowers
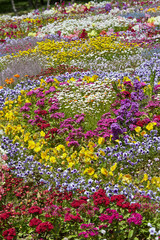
x: 80, y: 122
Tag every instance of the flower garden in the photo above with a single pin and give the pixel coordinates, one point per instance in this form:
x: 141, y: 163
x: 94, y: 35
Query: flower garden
x: 80, y: 122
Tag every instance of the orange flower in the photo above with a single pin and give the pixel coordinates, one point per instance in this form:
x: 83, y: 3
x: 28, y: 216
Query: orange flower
x: 9, y: 81
x: 17, y: 75
x: 1, y: 87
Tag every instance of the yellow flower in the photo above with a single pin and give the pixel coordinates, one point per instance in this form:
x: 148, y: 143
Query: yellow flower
x: 126, y: 178
x: 102, y: 153
x: 120, y: 176
x: 89, y: 170
x: 148, y: 184
x: 71, y: 164
x: 138, y: 129
x: 37, y: 149
x: 95, y: 175
x: 59, y: 147
x: 42, y: 133
x: 145, y: 178
x: 64, y: 155
x: 31, y: 144
x: 113, y: 167
x: 26, y: 137
x: 111, y: 173
x: 52, y: 159
x: 17, y: 75
x: 101, y: 140
x: 104, y: 171
x: 143, y: 133
x: 150, y: 126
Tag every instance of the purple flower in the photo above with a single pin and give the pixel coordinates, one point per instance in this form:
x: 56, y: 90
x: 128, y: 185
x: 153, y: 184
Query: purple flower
x: 73, y: 143
x: 108, y: 7
x: 57, y: 115
x: 116, y: 130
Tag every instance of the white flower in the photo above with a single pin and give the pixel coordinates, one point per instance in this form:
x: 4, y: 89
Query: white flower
x: 103, y: 231
x: 149, y: 225
x: 152, y: 231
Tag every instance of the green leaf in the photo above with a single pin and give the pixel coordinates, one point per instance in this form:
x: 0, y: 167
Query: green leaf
x: 72, y: 236
x: 130, y: 234
x: 136, y: 238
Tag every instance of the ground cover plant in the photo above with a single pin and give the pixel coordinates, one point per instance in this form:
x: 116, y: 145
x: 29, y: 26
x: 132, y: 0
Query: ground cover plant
x: 80, y: 122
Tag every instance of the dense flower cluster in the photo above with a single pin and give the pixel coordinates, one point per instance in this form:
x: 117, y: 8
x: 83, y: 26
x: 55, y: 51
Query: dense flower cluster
x: 80, y: 122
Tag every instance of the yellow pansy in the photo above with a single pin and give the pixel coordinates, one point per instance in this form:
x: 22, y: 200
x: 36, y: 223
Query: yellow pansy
x: 37, y: 149
x: 64, y: 155
x: 148, y: 185
x: 89, y: 170
x: 150, y: 126
x: 52, y: 159
x: 104, y: 171
x: 138, y: 129
x: 42, y: 133
x: 126, y: 178
x: 111, y: 173
x: 113, y: 167
x: 143, y: 133
x: 145, y: 178
x: 31, y: 144
x: 102, y: 153
x: 26, y: 137
x: 101, y: 140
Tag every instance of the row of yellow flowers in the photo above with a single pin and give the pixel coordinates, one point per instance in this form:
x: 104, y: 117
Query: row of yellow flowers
x: 63, y: 52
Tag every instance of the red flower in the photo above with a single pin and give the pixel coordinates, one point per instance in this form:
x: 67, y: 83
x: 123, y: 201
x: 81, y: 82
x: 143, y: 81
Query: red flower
x: 9, y: 233
x: 4, y: 216
x: 102, y: 201
x: 83, y: 34
x: 72, y: 218
x: 44, y: 227
x: 140, y: 123
x: 34, y: 222
x: 126, y: 94
x: 35, y: 209
x: 78, y: 203
x: 117, y: 198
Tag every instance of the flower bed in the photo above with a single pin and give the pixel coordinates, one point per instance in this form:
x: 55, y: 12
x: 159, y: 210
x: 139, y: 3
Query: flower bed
x: 80, y: 118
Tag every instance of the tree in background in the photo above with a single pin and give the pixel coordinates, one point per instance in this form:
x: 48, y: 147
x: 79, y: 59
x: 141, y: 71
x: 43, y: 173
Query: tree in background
x: 13, y: 7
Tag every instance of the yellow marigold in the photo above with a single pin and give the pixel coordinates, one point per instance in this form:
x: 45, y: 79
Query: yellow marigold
x: 104, y: 171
